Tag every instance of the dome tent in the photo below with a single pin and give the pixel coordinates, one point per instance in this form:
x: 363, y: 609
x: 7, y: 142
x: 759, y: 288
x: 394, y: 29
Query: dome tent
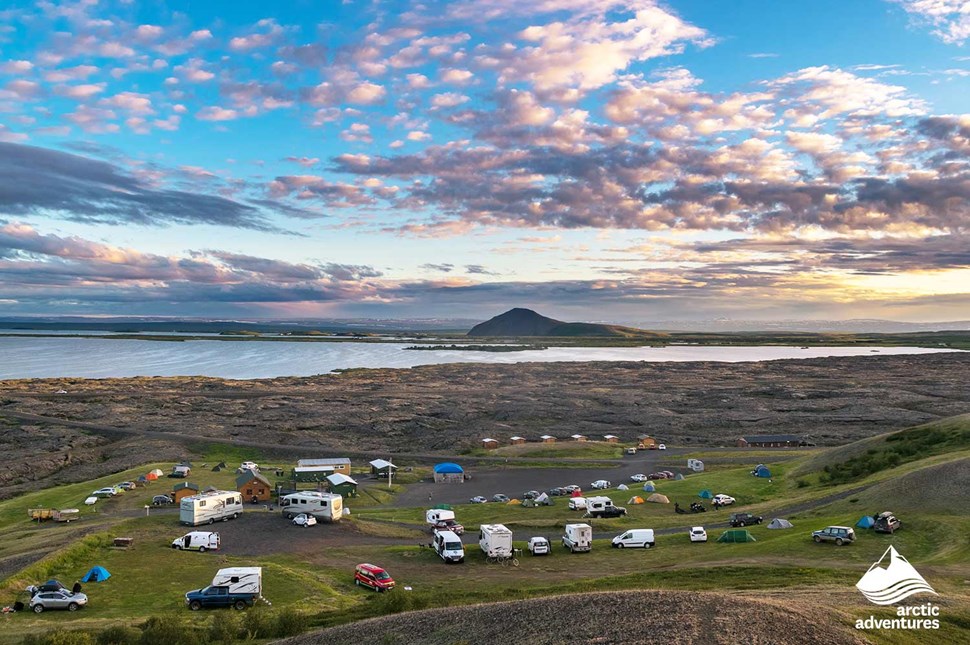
x: 779, y: 523
x: 705, y: 494
x: 649, y: 487
x: 96, y: 574
x: 657, y: 498
x: 865, y: 522
x: 762, y: 471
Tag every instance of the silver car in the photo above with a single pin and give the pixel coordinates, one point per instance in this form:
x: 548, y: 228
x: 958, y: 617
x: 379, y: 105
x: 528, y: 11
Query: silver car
x: 58, y: 600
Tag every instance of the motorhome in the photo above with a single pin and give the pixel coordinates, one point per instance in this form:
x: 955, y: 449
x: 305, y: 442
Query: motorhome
x: 634, y: 538
x: 323, y: 506
x: 448, y: 546
x: 200, y: 541
x: 435, y: 515
x: 240, y: 579
x: 495, y: 540
x: 237, y: 587
x: 578, y: 538
x: 207, y: 508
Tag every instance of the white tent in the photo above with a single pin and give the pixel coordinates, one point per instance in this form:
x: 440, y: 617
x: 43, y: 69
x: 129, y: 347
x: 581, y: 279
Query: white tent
x: 157, y: 472
x: 622, y: 487
x: 779, y: 523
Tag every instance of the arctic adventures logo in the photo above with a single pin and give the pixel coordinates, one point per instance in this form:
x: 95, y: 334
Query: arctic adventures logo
x: 894, y: 583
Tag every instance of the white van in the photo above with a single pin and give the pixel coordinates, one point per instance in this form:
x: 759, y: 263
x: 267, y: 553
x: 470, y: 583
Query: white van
x: 323, y: 506
x: 577, y: 503
x: 448, y: 546
x: 578, y: 538
x: 634, y: 538
x: 200, y: 541
x: 495, y: 540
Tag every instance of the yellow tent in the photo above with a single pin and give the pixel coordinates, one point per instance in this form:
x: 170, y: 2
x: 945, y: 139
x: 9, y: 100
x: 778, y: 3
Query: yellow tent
x: 657, y: 498
x: 636, y: 500
x: 514, y: 502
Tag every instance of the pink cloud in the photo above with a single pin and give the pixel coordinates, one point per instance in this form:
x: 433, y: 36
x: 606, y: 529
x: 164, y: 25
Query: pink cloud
x: 215, y: 113
x: 79, y: 92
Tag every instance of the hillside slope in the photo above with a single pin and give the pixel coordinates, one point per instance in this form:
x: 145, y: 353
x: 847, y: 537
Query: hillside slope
x: 525, y: 322
x: 660, y: 617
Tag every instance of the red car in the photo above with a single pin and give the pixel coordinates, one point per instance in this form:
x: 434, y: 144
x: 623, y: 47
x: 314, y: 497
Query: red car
x: 374, y: 577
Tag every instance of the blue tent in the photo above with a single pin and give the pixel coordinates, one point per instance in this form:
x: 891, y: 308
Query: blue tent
x: 762, y: 471
x: 649, y: 487
x: 865, y: 522
x: 705, y: 494
x: 96, y: 574
x: 448, y: 468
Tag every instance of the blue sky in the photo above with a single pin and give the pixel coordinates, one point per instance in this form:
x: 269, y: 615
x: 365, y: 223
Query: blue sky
x: 593, y: 159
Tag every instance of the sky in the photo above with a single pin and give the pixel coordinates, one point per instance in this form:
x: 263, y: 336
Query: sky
x: 591, y: 159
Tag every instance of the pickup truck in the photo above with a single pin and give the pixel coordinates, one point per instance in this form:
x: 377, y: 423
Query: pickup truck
x: 609, y: 511
x: 745, y: 519
x: 213, y: 596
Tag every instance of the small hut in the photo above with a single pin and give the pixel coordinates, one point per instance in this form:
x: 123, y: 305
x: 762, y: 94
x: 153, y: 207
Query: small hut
x: 343, y: 485
x: 611, y: 438
x: 547, y: 438
x: 516, y: 440
x: 489, y: 444
x: 184, y: 489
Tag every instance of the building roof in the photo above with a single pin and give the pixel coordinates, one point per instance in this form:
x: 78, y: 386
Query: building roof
x: 489, y: 440
x: 515, y: 437
x: 381, y: 464
x: 772, y: 438
x: 337, y: 479
x: 330, y: 461
x: 610, y: 436
x: 448, y: 467
x: 183, y: 485
x: 248, y: 475
x: 577, y: 436
x: 314, y: 469
x: 547, y: 436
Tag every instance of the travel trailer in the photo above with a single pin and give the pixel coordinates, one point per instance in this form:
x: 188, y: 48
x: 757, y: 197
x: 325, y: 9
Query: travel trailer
x: 200, y: 541
x: 323, y: 506
x: 578, y: 538
x: 448, y: 546
x: 495, y: 540
x: 206, y: 508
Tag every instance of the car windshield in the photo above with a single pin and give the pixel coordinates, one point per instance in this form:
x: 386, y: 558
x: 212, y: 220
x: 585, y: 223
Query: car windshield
x: 382, y: 575
x: 453, y: 546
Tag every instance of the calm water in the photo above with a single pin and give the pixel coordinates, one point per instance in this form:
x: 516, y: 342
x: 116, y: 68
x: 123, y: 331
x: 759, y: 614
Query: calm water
x: 102, y: 358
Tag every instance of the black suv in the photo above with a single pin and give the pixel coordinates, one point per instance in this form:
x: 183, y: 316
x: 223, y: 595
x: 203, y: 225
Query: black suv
x: 745, y: 519
x: 886, y: 522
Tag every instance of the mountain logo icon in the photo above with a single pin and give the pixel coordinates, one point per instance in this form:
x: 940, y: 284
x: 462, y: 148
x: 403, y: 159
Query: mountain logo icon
x: 898, y: 581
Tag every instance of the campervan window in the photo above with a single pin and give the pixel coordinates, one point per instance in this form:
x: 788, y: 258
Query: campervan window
x: 202, y: 502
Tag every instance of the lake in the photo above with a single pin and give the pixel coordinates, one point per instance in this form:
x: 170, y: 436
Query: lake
x: 102, y: 358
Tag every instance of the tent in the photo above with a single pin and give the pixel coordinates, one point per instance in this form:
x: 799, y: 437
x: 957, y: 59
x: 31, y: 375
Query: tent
x: 736, y: 535
x: 142, y: 480
x: 622, y: 487
x: 96, y: 574
x: 762, y: 471
x: 157, y: 472
x: 678, y: 477
x: 513, y: 502
x: 577, y: 493
x: 543, y: 499
x: 636, y: 500
x: 657, y: 498
x: 779, y: 523
x: 442, y: 507
x: 217, y: 468
x: 151, y: 476
x: 865, y: 522
x: 649, y: 487
x: 221, y: 464
x: 705, y: 494
x: 529, y: 503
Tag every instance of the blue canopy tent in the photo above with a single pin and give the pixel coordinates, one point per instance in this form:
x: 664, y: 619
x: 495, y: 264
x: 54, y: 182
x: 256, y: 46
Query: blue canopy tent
x: 448, y: 472
x: 96, y: 574
x: 865, y: 522
x: 762, y: 471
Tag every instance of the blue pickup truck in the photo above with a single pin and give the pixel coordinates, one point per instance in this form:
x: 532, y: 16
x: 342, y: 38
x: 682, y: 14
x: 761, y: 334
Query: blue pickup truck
x: 213, y: 596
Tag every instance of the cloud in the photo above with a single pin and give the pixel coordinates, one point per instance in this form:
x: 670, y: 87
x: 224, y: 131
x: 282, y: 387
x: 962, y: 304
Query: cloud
x: 443, y: 268
x: 271, y: 32
x: 38, y: 180
x: 16, y: 67
x: 80, y: 92
x: 950, y: 19
x: 216, y: 113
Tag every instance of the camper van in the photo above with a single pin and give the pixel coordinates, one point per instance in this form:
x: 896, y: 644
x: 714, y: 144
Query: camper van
x: 577, y: 503
x: 495, y: 540
x: 603, y: 507
x: 207, y: 508
x: 323, y: 506
x: 634, y: 538
x: 233, y: 587
x: 578, y: 538
x: 448, y: 546
x: 200, y: 541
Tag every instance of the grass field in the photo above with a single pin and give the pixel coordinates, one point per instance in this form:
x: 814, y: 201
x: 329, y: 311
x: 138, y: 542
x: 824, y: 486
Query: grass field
x: 151, y: 578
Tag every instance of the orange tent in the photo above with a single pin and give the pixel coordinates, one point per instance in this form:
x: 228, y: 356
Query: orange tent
x: 151, y: 476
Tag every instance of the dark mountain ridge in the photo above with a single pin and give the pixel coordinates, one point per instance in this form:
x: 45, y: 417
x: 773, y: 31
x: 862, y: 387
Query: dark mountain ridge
x: 525, y: 322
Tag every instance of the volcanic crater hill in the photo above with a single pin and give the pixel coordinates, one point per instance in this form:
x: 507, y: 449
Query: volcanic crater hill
x: 521, y: 322
x: 447, y: 409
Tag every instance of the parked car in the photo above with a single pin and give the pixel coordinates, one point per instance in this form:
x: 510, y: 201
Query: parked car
x: 654, y: 476
x: 608, y: 512
x: 62, y: 599
x: 631, y: 451
x: 662, y: 447
x: 304, y: 520
x: 886, y: 522
x: 249, y: 465
x: 639, y: 477
x: 600, y: 484
x: 478, y: 499
x: 745, y: 519
x: 557, y: 492
x: 107, y: 491
x: 698, y: 534
x: 162, y: 500
x: 571, y: 488
x: 669, y: 474
x: 531, y: 494
x: 838, y: 534
x: 369, y: 575
x: 722, y: 500
x: 499, y: 497
x: 539, y: 546
x: 448, y: 525
x: 127, y: 485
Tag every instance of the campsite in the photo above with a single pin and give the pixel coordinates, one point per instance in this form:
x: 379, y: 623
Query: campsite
x: 379, y: 530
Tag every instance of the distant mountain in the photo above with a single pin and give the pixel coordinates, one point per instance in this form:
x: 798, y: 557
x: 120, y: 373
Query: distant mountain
x: 853, y: 326
x: 525, y: 322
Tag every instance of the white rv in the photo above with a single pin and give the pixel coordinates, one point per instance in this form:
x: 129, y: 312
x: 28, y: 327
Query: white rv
x: 495, y: 540
x: 436, y: 515
x: 323, y: 506
x: 448, y: 546
x: 578, y: 538
x: 207, y: 508
x: 240, y: 579
x: 577, y: 503
x: 696, y: 465
x: 200, y: 541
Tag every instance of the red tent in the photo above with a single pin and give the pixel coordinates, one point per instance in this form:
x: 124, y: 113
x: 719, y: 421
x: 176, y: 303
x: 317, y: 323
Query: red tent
x: 577, y: 493
x: 151, y: 476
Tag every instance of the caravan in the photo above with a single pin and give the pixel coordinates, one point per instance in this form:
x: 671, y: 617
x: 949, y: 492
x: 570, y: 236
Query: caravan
x: 206, y: 508
x: 323, y: 506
